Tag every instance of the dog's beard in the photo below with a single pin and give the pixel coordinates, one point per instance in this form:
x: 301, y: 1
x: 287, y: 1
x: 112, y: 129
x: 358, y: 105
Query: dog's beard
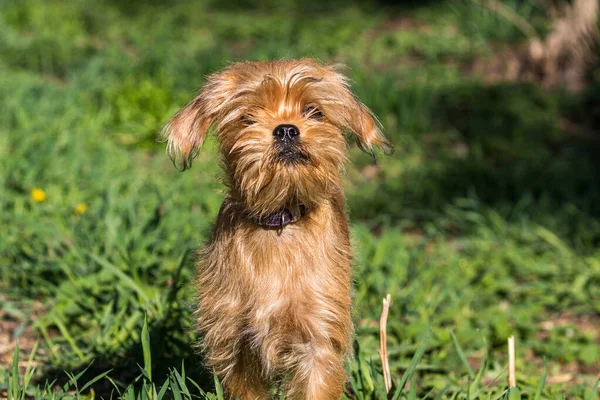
x: 290, y: 178
x: 291, y: 155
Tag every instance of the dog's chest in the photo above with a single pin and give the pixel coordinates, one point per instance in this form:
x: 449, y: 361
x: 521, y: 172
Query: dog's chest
x: 296, y: 254
x: 295, y: 280
x: 280, y: 287
x: 264, y: 270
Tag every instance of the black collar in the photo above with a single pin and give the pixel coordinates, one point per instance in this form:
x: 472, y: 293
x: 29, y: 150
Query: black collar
x: 281, y: 218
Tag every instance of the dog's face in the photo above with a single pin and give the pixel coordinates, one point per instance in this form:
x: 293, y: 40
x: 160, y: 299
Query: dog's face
x: 281, y: 130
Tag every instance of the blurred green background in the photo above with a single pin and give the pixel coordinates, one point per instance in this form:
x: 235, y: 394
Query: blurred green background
x: 485, y: 223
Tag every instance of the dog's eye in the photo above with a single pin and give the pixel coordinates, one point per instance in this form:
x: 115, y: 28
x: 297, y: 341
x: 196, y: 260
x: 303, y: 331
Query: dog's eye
x: 247, y: 120
x: 312, y: 112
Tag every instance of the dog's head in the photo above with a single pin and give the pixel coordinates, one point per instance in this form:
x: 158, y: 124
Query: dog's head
x: 281, y: 128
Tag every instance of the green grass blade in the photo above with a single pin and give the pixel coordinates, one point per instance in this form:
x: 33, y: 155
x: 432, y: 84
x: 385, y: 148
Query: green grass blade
x: 365, y: 375
x: 108, y: 378
x: 594, y: 394
x: 48, y: 340
x: 196, y: 385
x: 65, y: 332
x: 144, y: 373
x: 218, y: 387
x: 175, y: 389
x: 94, y: 380
x: 145, y: 338
x: 30, y: 369
x: 130, y: 395
x: 413, y: 364
x: 412, y: 393
x: 126, y: 279
x: 461, y: 355
x: 177, y: 285
x: 514, y: 394
x: 72, y: 381
x: 540, y: 388
x: 144, y: 392
x: 428, y: 394
x: 353, y: 384
x: 181, y: 384
x: 478, y: 377
x: 13, y: 390
x: 442, y: 393
x: 503, y: 393
x: 163, y: 389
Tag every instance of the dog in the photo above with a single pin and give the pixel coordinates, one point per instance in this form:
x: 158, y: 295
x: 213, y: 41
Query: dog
x: 274, y: 283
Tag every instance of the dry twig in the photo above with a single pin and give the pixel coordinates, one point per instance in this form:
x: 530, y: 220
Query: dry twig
x: 383, y: 343
x: 512, y: 381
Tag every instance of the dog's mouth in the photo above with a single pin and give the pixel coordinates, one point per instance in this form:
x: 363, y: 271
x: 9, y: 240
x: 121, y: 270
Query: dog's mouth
x: 292, y: 155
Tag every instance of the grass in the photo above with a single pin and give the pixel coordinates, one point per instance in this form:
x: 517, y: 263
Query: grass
x: 484, y: 224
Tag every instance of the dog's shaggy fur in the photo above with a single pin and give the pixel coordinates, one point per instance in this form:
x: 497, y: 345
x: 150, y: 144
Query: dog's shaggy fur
x: 274, y: 282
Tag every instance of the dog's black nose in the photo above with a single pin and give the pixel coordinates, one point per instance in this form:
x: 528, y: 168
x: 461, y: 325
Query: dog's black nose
x: 286, y: 132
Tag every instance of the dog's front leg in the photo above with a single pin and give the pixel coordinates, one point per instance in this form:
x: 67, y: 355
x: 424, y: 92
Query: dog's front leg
x: 319, y: 374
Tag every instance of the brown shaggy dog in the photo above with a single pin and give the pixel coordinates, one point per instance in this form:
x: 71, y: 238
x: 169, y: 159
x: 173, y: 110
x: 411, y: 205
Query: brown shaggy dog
x: 274, y: 282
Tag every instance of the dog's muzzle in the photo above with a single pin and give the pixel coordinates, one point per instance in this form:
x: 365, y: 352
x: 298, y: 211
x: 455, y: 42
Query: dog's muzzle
x: 287, y: 142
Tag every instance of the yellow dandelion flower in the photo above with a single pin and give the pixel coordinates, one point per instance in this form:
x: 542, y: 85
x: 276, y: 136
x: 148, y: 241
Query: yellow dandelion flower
x: 38, y: 195
x: 81, y: 208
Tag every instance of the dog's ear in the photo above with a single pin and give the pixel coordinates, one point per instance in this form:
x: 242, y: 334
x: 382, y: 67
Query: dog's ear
x: 186, y: 131
x: 353, y: 116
